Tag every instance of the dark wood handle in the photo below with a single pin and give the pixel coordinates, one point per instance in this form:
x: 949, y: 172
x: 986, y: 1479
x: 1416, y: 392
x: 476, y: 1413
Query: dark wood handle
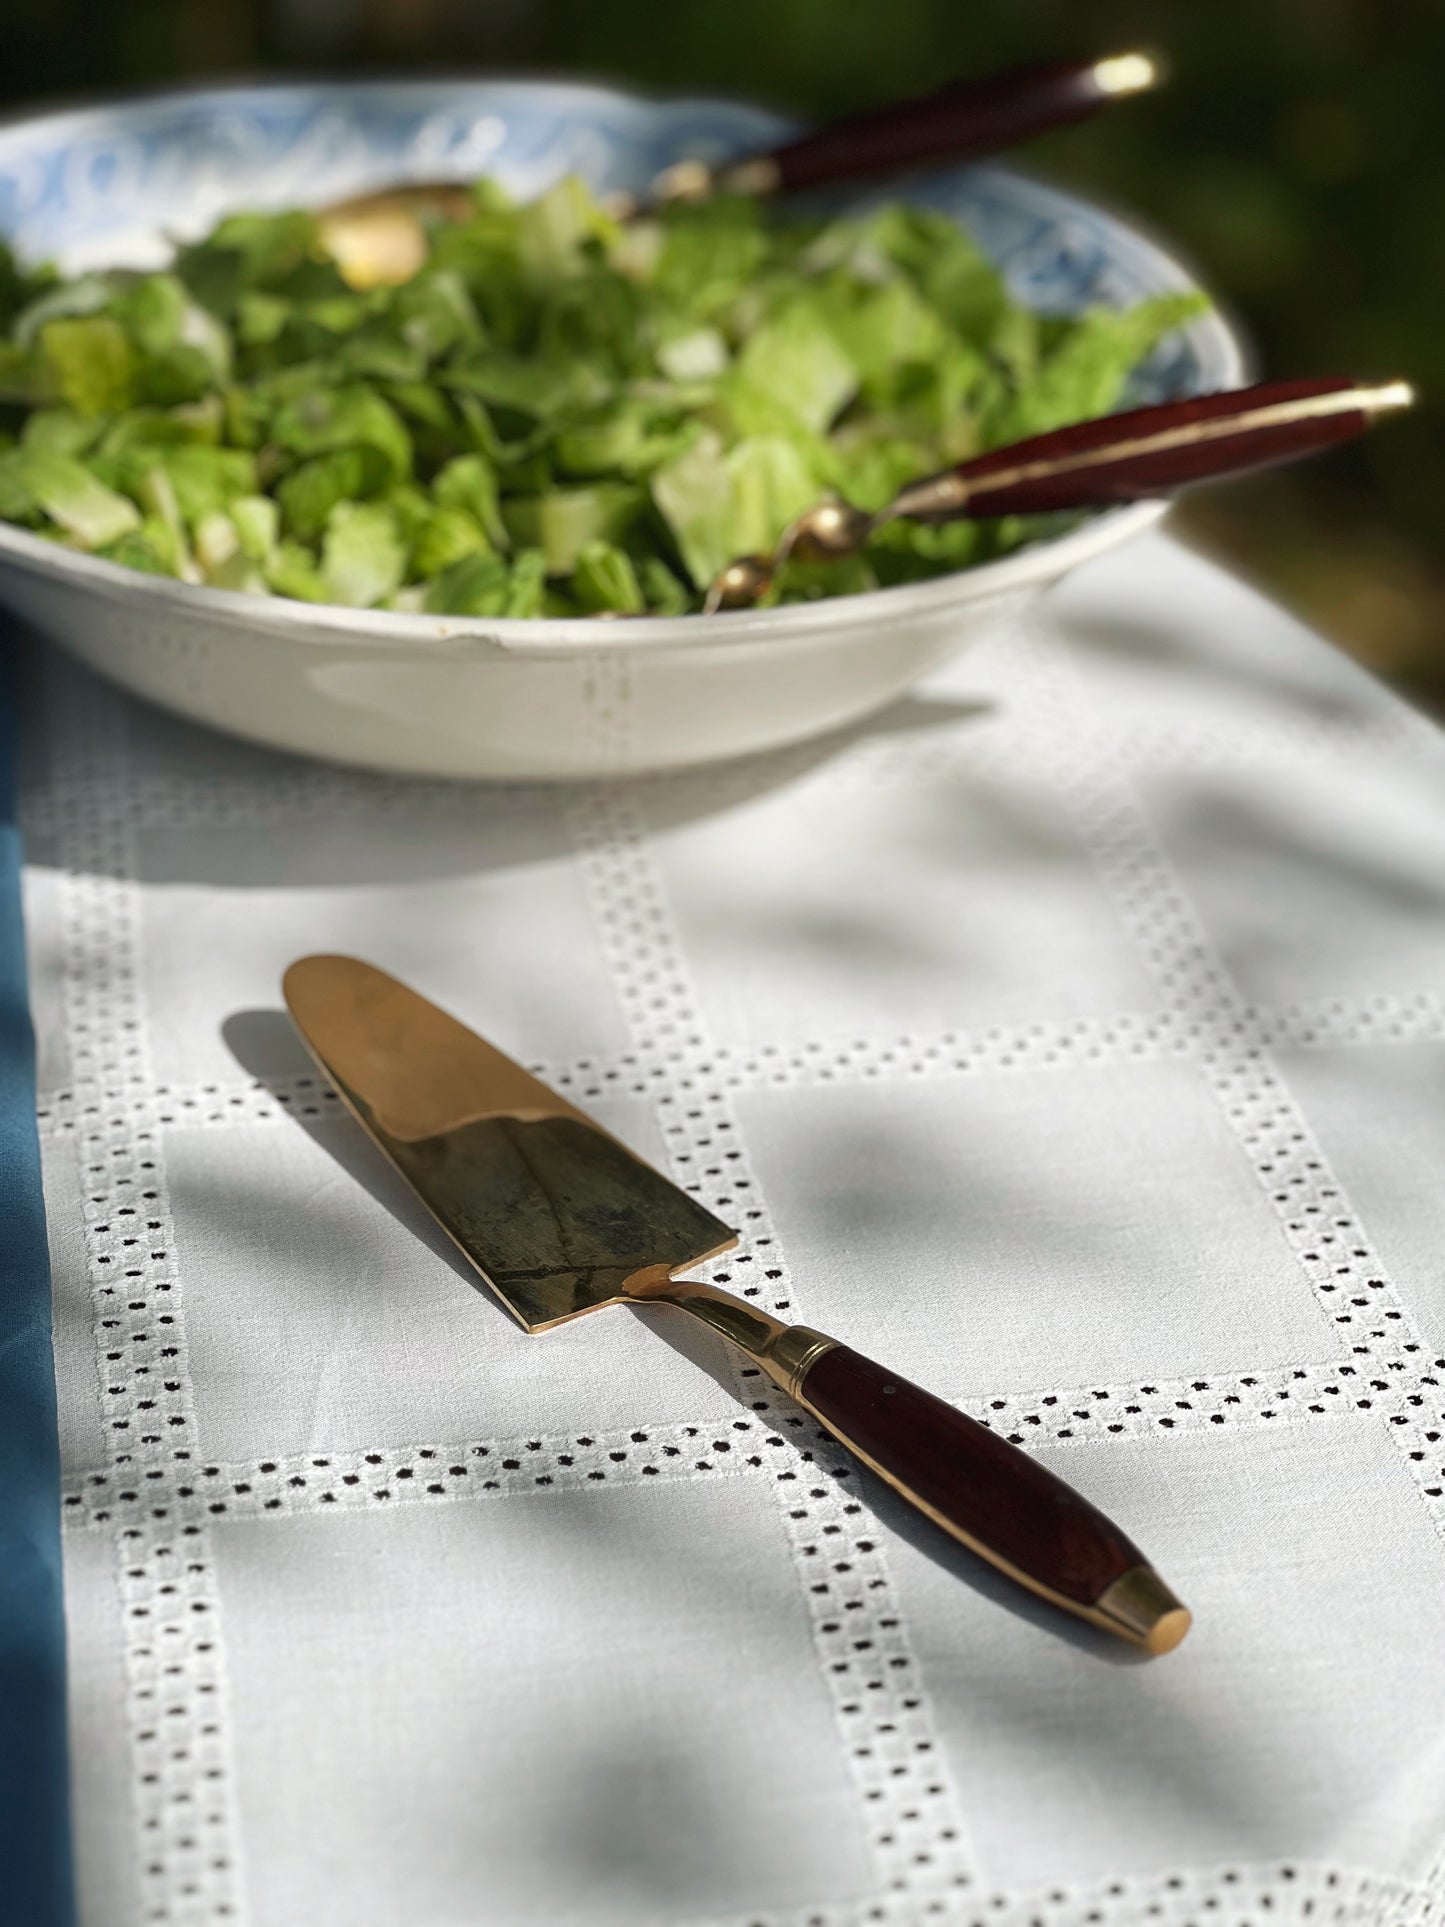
x: 998, y: 1501
x: 1155, y: 451
x: 960, y: 121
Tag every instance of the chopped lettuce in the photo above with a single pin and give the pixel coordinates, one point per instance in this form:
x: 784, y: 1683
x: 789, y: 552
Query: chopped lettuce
x: 363, y: 554
x: 488, y: 585
x: 563, y: 521
x: 695, y: 497
x: 1084, y: 372
x: 91, y: 514
x: 556, y: 414
x: 797, y: 361
x: 92, y: 364
x: 603, y: 578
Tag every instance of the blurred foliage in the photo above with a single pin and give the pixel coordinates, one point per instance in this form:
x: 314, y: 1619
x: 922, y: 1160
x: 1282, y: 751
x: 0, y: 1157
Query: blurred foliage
x: 1297, y: 156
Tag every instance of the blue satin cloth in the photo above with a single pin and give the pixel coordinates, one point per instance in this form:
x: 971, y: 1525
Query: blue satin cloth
x: 35, y: 1867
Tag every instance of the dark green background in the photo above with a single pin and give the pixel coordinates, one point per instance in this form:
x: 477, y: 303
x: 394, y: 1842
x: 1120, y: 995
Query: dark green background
x: 1297, y: 155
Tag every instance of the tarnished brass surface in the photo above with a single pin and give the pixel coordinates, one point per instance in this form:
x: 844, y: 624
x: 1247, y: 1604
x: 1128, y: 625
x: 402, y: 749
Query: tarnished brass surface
x: 558, y: 1216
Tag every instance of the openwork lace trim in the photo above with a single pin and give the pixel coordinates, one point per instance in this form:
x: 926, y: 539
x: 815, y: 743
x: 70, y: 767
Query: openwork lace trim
x: 182, y: 1780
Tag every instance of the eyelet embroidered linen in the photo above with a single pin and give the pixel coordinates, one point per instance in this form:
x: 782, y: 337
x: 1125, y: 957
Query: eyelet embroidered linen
x: 1072, y: 1037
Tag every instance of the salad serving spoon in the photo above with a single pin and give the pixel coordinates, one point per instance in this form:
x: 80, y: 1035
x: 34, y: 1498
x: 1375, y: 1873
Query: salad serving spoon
x: 1112, y: 459
x: 379, y: 238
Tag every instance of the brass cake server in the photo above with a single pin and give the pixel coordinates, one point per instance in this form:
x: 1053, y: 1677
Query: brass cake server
x: 560, y: 1218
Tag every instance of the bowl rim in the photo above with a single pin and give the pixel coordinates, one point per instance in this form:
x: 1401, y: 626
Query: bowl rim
x: 323, y: 623
x: 1037, y: 563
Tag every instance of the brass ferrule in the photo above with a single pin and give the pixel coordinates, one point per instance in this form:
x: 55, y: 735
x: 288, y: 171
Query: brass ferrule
x: 761, y: 176
x: 790, y: 1357
x: 787, y: 1353
x: 683, y: 181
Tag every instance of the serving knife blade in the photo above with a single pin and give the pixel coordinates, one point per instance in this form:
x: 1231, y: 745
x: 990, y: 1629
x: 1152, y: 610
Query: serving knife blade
x: 560, y: 1218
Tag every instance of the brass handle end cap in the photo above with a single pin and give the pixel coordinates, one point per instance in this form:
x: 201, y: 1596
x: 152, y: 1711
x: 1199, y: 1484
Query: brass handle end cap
x: 1141, y: 1607
x: 1131, y: 73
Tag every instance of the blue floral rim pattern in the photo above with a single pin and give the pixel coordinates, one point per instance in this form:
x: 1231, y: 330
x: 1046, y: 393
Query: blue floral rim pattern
x: 112, y: 181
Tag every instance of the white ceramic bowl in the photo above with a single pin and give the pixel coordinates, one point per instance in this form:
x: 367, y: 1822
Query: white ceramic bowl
x: 476, y: 697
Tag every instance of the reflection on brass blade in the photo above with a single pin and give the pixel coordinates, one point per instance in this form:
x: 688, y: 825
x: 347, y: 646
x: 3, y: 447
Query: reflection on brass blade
x: 558, y: 1216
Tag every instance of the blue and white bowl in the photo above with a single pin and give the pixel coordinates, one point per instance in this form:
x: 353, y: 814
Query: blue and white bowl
x: 457, y: 696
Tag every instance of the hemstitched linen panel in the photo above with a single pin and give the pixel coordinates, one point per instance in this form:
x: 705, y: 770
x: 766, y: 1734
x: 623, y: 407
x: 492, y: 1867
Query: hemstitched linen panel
x: 1067, y: 1035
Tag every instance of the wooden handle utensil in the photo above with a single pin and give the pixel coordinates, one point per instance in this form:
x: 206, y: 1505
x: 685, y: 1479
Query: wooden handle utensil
x: 380, y: 237
x: 1111, y: 459
x: 959, y: 122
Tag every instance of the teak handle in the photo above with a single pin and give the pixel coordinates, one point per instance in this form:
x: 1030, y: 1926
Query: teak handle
x: 1155, y: 450
x: 960, y: 121
x: 993, y: 1498
x: 999, y: 1502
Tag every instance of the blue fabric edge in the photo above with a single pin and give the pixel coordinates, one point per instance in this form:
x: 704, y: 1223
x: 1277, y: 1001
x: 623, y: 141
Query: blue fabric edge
x: 36, y: 1880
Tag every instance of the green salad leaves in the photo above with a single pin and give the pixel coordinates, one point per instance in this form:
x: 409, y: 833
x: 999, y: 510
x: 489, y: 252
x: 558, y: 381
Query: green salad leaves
x: 556, y: 415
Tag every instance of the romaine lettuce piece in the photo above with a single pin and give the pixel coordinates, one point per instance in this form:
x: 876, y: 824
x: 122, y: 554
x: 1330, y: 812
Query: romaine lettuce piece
x: 86, y: 509
x: 204, y: 478
x: 18, y: 501
x: 1085, y: 372
x: 474, y: 585
x: 797, y: 360
x: 444, y: 537
x: 708, y: 254
x: 138, y: 550
x: 354, y: 416
x: 470, y: 482
x: 61, y: 431
x: 86, y: 295
x: 258, y: 525
x: 563, y: 521
x: 695, y: 496
x: 309, y: 493
x: 92, y: 363
x: 292, y: 571
x: 488, y: 585
x: 559, y: 232
x: 771, y: 483
x: 665, y: 595
x: 363, y: 556
x: 604, y: 578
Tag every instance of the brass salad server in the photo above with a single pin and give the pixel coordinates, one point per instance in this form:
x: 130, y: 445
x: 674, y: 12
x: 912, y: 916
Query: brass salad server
x: 1111, y: 459
x: 380, y: 237
x: 560, y: 1218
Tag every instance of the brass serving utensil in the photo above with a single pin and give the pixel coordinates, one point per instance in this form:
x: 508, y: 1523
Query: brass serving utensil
x: 380, y: 237
x: 561, y: 1219
x: 379, y: 240
x: 1127, y: 457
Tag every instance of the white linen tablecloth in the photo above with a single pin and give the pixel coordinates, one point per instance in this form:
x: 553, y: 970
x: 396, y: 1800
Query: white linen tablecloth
x: 1072, y: 1037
